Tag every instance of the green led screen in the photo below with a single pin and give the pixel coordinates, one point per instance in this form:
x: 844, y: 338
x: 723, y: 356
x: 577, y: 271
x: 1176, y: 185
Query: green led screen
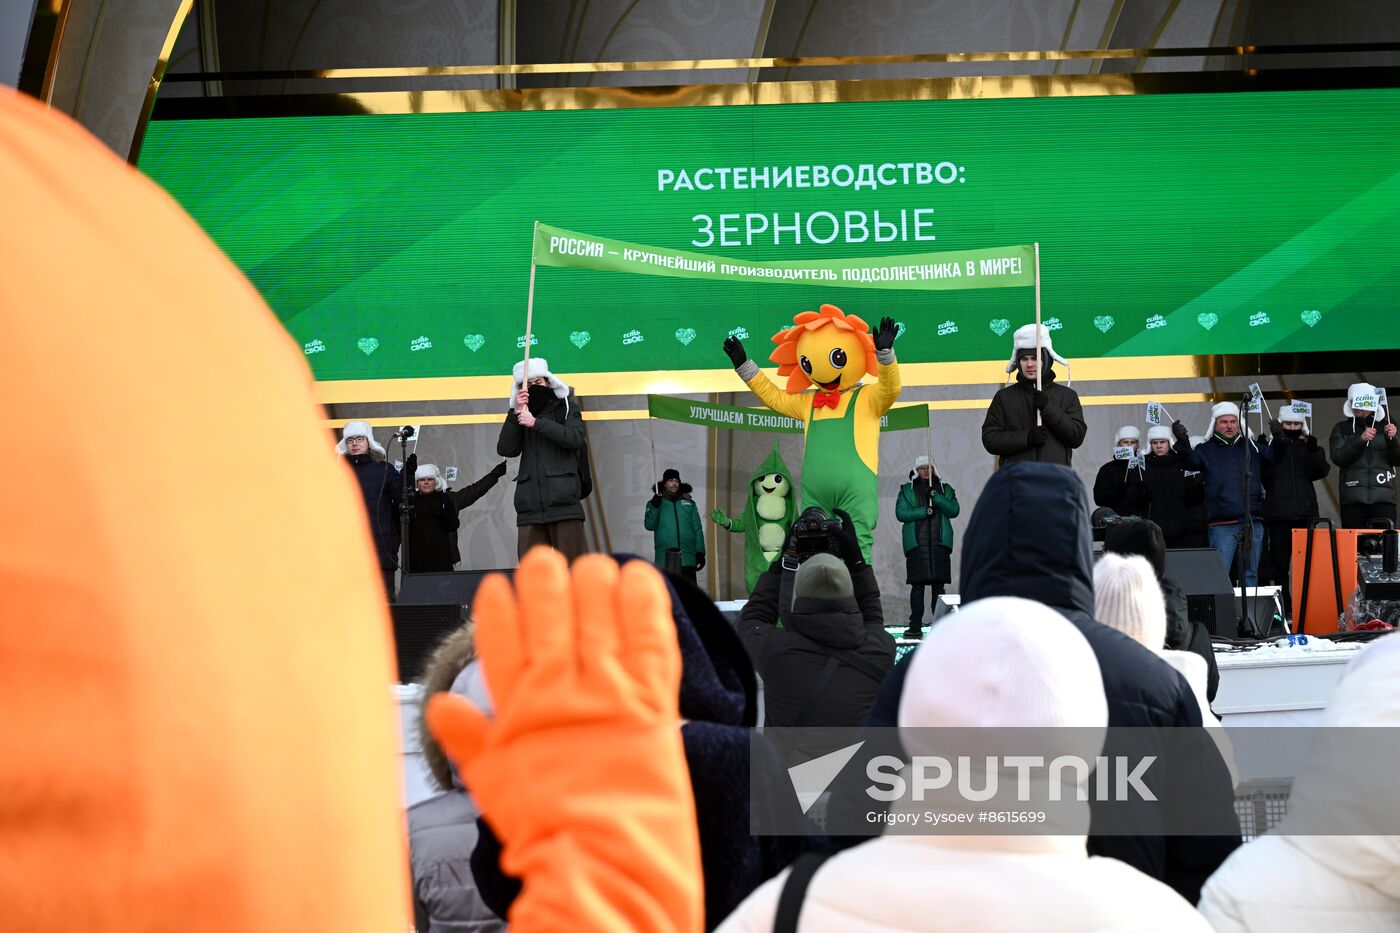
x: 399, y: 245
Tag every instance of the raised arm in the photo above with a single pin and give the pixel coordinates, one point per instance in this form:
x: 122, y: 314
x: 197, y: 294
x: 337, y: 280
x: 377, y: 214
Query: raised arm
x: 784, y: 403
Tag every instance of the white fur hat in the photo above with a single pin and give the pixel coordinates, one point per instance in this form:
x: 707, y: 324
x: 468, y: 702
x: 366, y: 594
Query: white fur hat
x: 1127, y: 597
x: 1289, y: 413
x: 1357, y: 392
x: 921, y: 460
x: 358, y: 429
x: 1004, y: 661
x: 1127, y: 433
x: 1196, y: 440
x: 539, y: 366
x: 1159, y: 432
x: 1024, y: 339
x: 1223, y: 408
x: 430, y: 471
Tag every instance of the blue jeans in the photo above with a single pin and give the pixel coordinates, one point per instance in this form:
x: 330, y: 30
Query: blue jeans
x: 1226, y: 538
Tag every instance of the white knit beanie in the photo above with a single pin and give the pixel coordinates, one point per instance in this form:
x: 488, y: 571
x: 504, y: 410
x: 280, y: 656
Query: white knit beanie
x: 1128, y: 433
x: 1004, y: 662
x: 1128, y: 598
x: 358, y: 429
x: 430, y: 471
x: 1159, y: 432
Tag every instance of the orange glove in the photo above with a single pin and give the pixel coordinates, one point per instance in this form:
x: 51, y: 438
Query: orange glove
x: 582, y: 774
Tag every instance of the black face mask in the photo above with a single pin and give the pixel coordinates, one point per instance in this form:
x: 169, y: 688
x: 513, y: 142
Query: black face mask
x: 1292, y: 435
x: 540, y: 396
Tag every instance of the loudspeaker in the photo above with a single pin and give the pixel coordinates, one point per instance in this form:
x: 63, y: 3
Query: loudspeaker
x: 430, y: 606
x: 1209, y: 595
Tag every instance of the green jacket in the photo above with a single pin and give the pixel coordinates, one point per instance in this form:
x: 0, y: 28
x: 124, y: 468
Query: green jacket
x: 676, y: 523
x: 908, y: 511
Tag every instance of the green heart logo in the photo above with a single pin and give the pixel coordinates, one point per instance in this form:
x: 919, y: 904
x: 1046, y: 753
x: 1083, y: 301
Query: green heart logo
x: 685, y: 335
x: 898, y: 329
x: 1104, y: 323
x: 580, y: 338
x: 474, y: 342
x: 367, y: 345
x: 1207, y: 319
x: 1000, y: 326
x: 1311, y: 318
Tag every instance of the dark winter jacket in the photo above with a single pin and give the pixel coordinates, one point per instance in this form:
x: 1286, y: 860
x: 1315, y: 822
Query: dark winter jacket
x: 1221, y: 464
x: 1122, y: 488
x: 1030, y: 537
x: 548, y: 487
x: 1169, y: 494
x: 676, y: 523
x: 1289, y: 494
x: 441, y: 837
x: 719, y: 702
x: 791, y: 659
x: 928, y: 539
x: 465, y: 497
x: 1011, y: 416
x: 1366, y: 471
x: 432, y: 532
x: 381, y: 487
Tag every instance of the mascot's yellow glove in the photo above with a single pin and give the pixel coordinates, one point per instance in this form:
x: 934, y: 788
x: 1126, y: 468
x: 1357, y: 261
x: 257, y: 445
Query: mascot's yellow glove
x: 582, y: 774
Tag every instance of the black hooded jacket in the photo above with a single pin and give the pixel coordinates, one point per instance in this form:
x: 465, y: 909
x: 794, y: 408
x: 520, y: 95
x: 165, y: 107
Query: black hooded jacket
x: 1289, y: 494
x: 1169, y: 493
x: 1030, y: 537
x: 791, y: 659
x: 719, y: 703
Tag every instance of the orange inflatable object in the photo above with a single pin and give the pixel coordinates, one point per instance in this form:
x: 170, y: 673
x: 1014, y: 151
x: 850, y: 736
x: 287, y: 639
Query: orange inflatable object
x: 583, y: 773
x: 196, y: 726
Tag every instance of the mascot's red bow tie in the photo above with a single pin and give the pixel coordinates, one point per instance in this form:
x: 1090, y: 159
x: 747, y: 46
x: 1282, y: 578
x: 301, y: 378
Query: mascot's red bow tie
x: 826, y: 398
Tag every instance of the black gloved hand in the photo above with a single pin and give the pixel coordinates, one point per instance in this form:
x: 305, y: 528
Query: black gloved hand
x: 656, y: 501
x: 499, y: 470
x: 1311, y: 441
x: 1179, y: 431
x: 734, y: 347
x: 699, y: 562
x: 884, y: 334
x: 1275, y: 427
x: 1036, y: 437
x: 1041, y: 399
x: 850, y: 544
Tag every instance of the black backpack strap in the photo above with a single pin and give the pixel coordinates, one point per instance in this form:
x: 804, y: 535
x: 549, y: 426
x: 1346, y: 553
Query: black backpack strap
x: 809, y: 705
x: 860, y: 663
x: 795, y: 891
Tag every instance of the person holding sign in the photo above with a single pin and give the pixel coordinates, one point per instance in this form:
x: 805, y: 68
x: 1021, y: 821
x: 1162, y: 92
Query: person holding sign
x: 433, y: 517
x: 829, y: 352
x: 1121, y: 484
x: 1044, y: 424
x: 1233, y: 509
x: 544, y: 428
x: 1289, y: 498
x: 1170, y: 491
x: 1366, y: 452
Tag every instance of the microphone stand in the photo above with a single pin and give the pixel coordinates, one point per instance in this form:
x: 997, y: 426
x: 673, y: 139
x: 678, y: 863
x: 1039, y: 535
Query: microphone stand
x: 1246, y: 547
x: 405, y: 513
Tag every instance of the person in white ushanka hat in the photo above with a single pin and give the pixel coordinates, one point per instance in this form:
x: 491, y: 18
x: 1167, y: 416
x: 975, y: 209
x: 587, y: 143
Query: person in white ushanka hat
x: 381, y: 488
x: 433, y: 518
x: 1121, y: 482
x: 1290, y: 501
x: 1168, y: 489
x: 1233, y: 510
x: 544, y: 428
x: 926, y: 506
x: 1045, y: 424
x: 998, y: 664
x: 1366, y: 451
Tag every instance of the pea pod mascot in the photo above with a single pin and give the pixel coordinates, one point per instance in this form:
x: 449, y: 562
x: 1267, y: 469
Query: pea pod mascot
x: 825, y: 355
x: 767, y: 516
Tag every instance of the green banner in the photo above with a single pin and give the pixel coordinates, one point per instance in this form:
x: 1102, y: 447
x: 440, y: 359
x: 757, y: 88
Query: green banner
x: 733, y: 418
x: 999, y: 267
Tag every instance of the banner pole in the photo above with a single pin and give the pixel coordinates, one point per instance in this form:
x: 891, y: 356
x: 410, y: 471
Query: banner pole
x: 651, y: 435
x: 529, y: 314
x: 1039, y: 354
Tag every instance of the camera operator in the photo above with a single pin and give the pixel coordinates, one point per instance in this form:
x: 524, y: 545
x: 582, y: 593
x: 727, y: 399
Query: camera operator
x: 824, y: 666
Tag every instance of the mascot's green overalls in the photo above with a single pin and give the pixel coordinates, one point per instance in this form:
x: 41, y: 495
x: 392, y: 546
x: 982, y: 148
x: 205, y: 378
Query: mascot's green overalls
x: 767, y: 516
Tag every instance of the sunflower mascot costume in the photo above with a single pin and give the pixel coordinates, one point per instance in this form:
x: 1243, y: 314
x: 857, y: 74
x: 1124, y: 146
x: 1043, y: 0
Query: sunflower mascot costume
x: 825, y: 355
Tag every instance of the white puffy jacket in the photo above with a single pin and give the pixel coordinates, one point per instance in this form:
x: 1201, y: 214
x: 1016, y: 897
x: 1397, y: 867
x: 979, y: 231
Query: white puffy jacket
x: 1280, y: 882
x: 974, y: 883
